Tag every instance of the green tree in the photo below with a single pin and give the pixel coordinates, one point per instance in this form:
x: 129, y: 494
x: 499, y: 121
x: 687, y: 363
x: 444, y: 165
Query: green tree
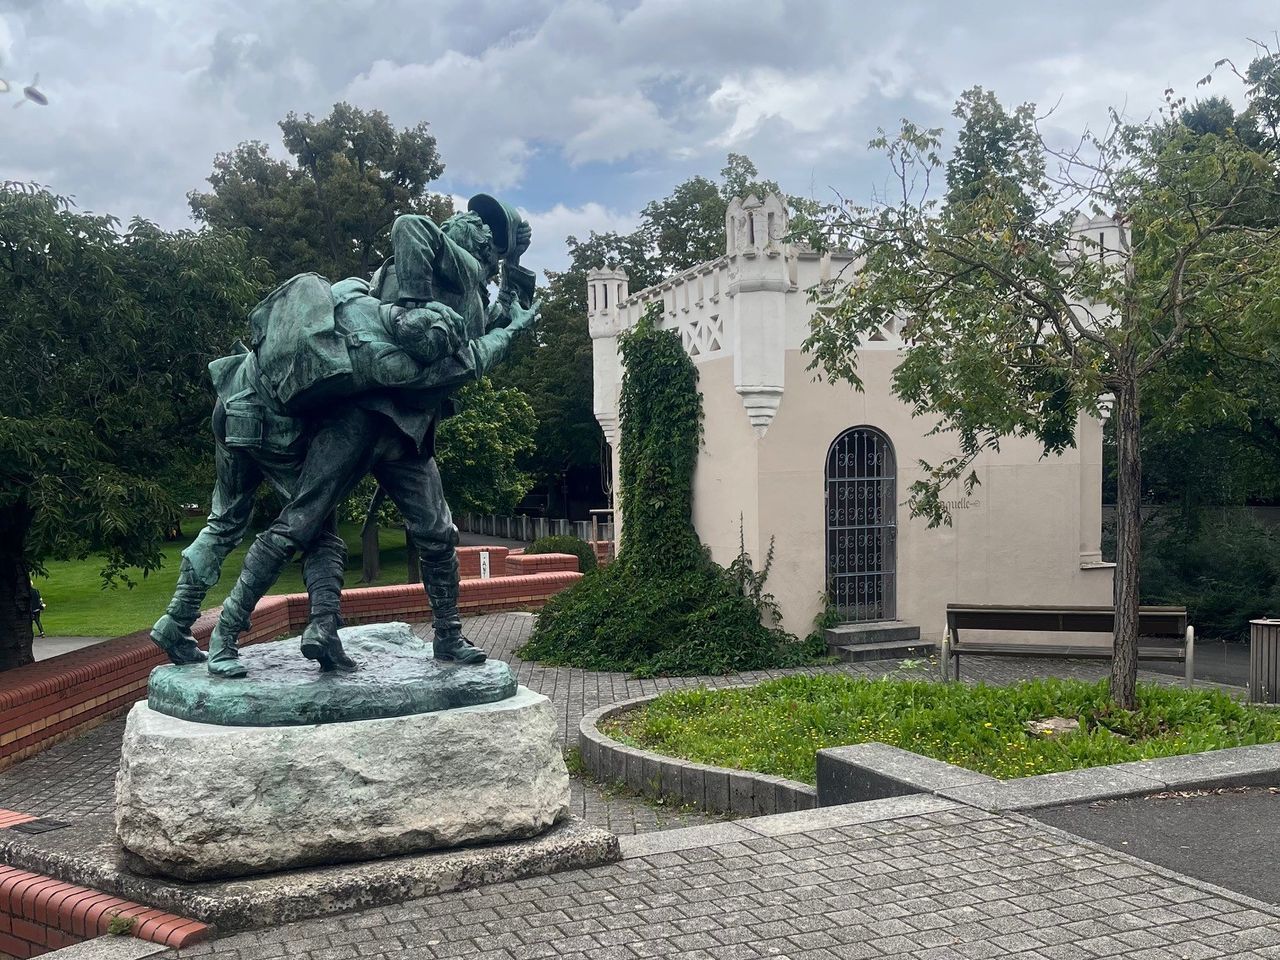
x: 1018, y: 322
x: 102, y: 385
x: 329, y: 208
x: 1262, y: 116
x: 1213, y: 115
x: 479, y: 447
x: 553, y: 368
x: 1211, y: 414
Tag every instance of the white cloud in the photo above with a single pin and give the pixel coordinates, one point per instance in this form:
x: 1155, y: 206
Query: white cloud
x: 561, y: 102
x: 6, y: 50
x: 551, y: 227
x: 808, y: 102
x: 614, y: 127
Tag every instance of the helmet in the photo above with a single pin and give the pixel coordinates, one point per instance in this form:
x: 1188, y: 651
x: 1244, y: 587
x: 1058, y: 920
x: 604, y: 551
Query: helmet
x: 501, y: 218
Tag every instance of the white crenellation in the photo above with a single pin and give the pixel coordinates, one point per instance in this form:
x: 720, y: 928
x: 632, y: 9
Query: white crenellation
x: 751, y: 304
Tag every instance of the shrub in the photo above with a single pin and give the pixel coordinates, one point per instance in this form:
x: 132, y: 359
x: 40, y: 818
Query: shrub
x: 663, y: 607
x: 690, y: 622
x: 585, y: 553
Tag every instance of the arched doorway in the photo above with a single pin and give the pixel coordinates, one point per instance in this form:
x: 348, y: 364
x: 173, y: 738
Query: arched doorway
x: 862, y: 514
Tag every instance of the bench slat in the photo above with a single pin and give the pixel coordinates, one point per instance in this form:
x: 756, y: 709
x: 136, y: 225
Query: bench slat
x: 1152, y: 621
x: 1072, y: 651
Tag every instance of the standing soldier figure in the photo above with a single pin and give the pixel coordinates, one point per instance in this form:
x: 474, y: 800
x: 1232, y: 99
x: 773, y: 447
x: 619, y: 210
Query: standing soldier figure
x: 381, y: 360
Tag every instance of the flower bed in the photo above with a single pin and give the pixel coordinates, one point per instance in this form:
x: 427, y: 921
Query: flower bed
x: 777, y: 727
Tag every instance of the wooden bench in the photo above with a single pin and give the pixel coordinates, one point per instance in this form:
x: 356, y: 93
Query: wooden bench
x: 1154, y: 623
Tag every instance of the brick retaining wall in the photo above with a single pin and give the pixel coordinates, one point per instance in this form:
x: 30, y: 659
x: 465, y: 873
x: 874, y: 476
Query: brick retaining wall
x: 39, y: 914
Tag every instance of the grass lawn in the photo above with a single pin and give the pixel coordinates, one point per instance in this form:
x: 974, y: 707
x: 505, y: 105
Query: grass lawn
x: 778, y: 726
x: 78, y: 606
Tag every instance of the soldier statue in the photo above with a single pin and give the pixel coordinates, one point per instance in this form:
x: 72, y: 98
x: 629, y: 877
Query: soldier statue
x: 343, y: 380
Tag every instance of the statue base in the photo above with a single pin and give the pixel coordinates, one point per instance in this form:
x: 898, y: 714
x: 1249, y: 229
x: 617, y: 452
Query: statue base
x: 397, y: 676
x: 201, y: 801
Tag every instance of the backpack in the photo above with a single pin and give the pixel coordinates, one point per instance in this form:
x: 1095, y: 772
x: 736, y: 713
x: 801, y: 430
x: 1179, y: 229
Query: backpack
x: 302, y: 358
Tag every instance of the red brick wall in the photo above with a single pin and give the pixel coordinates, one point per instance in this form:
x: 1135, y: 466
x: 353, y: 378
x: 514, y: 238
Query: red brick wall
x: 46, y: 702
x: 39, y: 914
x: 526, y: 563
x: 469, y: 561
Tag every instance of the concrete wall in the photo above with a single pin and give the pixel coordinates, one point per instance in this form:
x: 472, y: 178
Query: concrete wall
x: 1018, y: 539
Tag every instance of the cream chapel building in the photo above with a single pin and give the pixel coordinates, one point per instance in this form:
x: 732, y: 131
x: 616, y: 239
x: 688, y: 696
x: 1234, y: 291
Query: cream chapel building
x: 824, y: 470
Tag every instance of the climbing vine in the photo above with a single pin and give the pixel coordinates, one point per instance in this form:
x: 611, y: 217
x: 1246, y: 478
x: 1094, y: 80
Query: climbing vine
x: 661, y: 413
x: 663, y: 607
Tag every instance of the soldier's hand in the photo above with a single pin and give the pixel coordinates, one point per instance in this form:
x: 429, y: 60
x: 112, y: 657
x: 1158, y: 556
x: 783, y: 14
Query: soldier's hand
x: 522, y: 319
x: 431, y: 330
x: 448, y: 318
x: 524, y: 234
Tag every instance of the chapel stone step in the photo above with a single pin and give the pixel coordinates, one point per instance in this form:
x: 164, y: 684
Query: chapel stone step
x: 887, y: 650
x: 876, y: 631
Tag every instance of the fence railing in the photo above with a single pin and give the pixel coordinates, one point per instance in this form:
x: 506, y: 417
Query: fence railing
x: 528, y: 529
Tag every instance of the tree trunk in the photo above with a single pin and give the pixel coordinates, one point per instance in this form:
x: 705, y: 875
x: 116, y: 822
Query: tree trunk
x: 370, y: 550
x: 1124, y: 665
x: 415, y: 564
x: 372, y: 558
x: 15, y: 589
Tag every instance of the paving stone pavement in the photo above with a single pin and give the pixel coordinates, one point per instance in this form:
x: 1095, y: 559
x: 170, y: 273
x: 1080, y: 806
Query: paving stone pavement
x: 77, y: 778
x: 958, y: 884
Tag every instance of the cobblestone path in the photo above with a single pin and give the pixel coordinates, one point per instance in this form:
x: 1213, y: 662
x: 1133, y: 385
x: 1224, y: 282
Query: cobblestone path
x: 958, y: 884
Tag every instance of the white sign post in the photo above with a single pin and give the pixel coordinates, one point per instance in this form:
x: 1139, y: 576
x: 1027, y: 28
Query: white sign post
x: 484, y: 564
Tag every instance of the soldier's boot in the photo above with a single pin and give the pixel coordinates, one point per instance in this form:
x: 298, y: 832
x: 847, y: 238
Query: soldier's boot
x: 262, y: 567
x: 172, y: 632
x: 322, y: 572
x: 440, y: 577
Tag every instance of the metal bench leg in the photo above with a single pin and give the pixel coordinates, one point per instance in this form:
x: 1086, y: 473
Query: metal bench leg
x: 1191, y: 657
x: 945, y: 656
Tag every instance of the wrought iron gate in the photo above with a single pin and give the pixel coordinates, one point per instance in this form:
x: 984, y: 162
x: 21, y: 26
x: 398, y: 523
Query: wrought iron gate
x: 862, y: 525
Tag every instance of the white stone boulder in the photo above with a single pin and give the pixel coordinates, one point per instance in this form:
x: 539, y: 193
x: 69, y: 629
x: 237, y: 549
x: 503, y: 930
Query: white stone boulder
x: 202, y: 801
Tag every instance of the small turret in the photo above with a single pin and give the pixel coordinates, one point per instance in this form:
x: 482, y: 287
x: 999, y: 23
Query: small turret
x: 606, y: 288
x: 755, y: 227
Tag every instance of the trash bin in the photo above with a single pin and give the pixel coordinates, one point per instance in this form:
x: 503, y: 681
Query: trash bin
x: 1264, y: 661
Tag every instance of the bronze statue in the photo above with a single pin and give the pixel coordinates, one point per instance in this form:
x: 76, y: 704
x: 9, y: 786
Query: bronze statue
x: 339, y: 381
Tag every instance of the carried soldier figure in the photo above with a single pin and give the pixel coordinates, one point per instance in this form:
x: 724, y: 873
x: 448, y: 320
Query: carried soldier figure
x: 343, y: 380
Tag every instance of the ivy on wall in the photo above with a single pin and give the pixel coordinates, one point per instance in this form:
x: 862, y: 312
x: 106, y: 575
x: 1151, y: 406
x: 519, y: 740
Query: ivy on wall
x: 661, y: 413
x: 663, y: 607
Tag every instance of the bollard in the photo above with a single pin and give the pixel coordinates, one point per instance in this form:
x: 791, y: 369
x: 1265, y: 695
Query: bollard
x: 1264, y: 661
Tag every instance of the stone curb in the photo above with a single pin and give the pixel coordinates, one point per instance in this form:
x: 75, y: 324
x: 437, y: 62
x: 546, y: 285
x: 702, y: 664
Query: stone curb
x: 109, y: 948
x: 872, y: 771
x: 894, y: 771
x: 714, y: 789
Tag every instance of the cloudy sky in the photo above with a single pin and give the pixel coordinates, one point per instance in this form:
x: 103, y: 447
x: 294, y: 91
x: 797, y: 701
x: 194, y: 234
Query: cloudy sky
x: 578, y: 110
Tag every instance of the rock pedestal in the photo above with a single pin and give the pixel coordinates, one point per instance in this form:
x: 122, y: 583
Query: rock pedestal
x: 202, y: 801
